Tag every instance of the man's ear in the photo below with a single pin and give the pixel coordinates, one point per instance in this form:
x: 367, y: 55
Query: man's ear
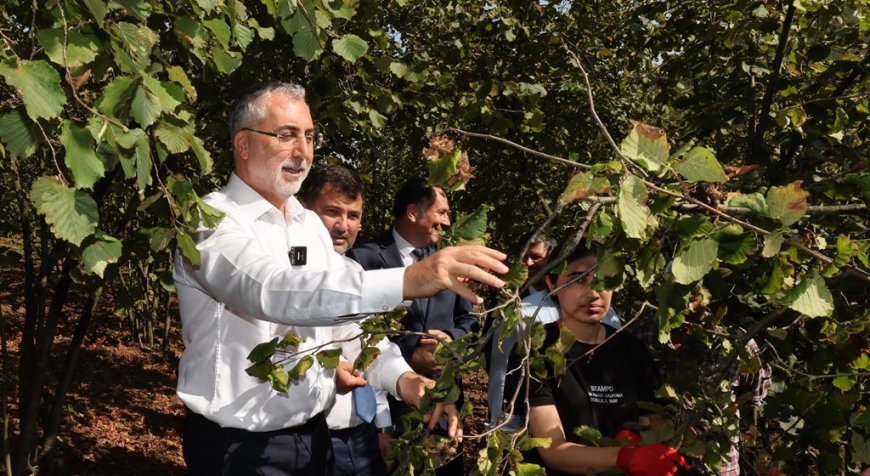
x: 240, y: 144
x: 412, y: 213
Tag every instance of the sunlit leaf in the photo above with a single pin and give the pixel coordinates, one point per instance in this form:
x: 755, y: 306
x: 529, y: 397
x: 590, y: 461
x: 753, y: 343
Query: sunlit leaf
x: 329, y: 359
x: 188, y: 247
x: 38, y: 83
x: 79, y: 49
x: 811, y: 297
x: 700, y: 165
x: 132, y: 44
x: 297, y: 373
x: 646, y: 145
x: 280, y: 378
x: 787, y: 203
x: 80, y: 155
x: 71, y: 213
x: 631, y: 205
x: 772, y: 244
x: 582, y: 185
x: 306, y: 45
x: 470, y: 228
x: 350, y: 47
x: 752, y: 201
x: 695, y: 261
x: 117, y: 96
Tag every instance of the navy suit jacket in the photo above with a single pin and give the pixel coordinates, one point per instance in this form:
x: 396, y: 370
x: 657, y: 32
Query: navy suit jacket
x: 446, y: 311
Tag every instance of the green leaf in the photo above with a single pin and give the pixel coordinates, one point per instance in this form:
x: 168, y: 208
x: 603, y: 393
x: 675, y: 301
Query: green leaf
x: 811, y: 297
x: 589, y: 434
x: 399, y: 69
x: 530, y: 469
x: 696, y: 261
x: 649, y: 266
x: 72, y: 214
x: 220, y: 29
x: 280, y: 378
x: 516, y: 276
x: 103, y: 251
x: 159, y: 94
x: 79, y: 50
x: 646, y: 145
x: 291, y: 339
x: 306, y: 45
x: 132, y: 45
x: 209, y: 5
x: 350, y: 47
x: 752, y: 201
x: 260, y: 370
x: 38, y: 83
x: 297, y: 373
x: 772, y: 244
x: 188, y: 247
x: 177, y: 74
x: 80, y: 155
x: 378, y: 119
x: 117, y: 96
x: 843, y: 382
x: 144, y: 109
x: 787, y: 203
x: 243, y: 35
x: 582, y: 185
x: 264, y: 351
x: 98, y: 10
x: 860, y: 447
x: 19, y: 134
x: 631, y: 206
x: 173, y: 137
x: 469, y: 229
x: 202, y: 155
x: 700, y: 165
x: 328, y: 359
x: 226, y: 61
x: 136, y: 149
x: 844, y: 254
x: 365, y: 358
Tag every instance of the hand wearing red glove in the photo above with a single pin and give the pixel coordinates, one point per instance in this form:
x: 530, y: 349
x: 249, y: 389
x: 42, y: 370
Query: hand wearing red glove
x: 654, y: 460
x: 632, y: 438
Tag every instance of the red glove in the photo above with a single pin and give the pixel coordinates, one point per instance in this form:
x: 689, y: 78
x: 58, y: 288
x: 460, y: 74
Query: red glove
x: 632, y: 438
x: 654, y: 460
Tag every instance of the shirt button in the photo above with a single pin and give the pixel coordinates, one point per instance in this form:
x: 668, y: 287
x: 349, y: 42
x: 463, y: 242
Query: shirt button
x: 385, y: 308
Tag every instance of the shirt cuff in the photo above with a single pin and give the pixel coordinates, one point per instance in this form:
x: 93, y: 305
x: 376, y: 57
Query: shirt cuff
x: 382, y: 289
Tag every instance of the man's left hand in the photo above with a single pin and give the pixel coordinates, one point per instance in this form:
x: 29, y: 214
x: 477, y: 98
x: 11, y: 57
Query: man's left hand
x: 412, y: 387
x: 346, y: 378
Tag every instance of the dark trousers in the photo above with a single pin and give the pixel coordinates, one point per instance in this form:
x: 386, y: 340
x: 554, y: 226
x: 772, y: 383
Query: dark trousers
x: 210, y: 450
x: 357, y: 452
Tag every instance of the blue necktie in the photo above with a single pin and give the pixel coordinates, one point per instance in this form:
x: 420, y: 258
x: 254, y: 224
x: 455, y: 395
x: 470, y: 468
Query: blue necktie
x: 364, y: 403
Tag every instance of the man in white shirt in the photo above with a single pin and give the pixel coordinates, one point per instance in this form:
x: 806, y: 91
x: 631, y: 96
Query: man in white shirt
x: 269, y: 268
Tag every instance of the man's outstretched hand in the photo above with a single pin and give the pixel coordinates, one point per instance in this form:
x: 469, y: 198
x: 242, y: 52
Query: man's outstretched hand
x: 412, y: 387
x: 346, y: 378
x: 451, y: 268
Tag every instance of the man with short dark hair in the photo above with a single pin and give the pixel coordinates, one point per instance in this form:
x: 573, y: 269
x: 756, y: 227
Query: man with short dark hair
x: 335, y: 194
x: 421, y: 212
x: 269, y: 269
x: 536, y: 257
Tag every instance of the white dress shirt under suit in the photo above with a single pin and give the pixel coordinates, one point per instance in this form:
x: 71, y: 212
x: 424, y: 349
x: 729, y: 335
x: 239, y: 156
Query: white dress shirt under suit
x: 245, y: 291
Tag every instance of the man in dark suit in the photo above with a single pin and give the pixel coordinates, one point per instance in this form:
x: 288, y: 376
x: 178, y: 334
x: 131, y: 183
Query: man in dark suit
x: 421, y: 212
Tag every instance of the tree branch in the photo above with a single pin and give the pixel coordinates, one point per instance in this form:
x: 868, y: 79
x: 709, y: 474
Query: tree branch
x: 517, y: 146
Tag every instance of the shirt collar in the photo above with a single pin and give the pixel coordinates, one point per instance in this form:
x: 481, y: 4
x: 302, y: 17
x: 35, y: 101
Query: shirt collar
x: 404, y: 246
x: 254, y: 205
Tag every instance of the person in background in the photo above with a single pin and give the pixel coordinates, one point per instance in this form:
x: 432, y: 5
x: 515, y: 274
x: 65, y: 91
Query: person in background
x: 421, y: 213
x: 360, y: 441
x: 268, y: 268
x: 536, y: 258
x: 607, y: 375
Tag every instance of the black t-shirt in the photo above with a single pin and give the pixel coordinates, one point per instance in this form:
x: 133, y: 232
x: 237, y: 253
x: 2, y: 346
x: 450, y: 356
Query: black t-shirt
x: 600, y: 390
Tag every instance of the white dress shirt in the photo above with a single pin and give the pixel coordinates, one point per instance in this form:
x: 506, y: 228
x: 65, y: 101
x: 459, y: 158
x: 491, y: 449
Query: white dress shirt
x: 405, y: 249
x: 245, y: 292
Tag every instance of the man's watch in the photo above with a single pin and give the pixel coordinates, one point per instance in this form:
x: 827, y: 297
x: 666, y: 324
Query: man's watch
x: 389, y: 430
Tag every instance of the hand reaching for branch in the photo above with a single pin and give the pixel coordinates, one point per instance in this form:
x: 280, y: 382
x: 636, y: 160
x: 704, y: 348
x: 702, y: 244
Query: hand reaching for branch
x: 412, y: 387
x: 346, y: 378
x: 450, y: 268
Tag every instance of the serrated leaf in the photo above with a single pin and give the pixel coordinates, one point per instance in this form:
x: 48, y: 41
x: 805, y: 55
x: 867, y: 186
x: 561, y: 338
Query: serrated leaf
x: 772, y: 244
x: 306, y: 45
x: 365, y: 358
x: 291, y: 339
x: 649, y: 266
x: 378, y: 120
x: 72, y: 214
x: 297, y: 373
x: 80, y: 155
x: 260, y: 370
x: 132, y: 45
x: 173, y: 137
x: 787, y: 203
x: 159, y: 94
x: 811, y: 297
x: 201, y: 153
x: 631, y: 205
x: 399, y: 69
x: 860, y: 448
x: 350, y: 47
x: 38, y: 83
x: 117, y: 96
x: 582, y: 185
x: 752, y: 201
x: 695, y: 262
x: 516, y: 276
x: 646, y: 145
x: 469, y: 229
x: 220, y: 29
x: 79, y: 49
x: 736, y: 249
x: 264, y: 351
x: 226, y: 61
x: 329, y: 359
x: 844, y: 254
x: 144, y: 108
x: 98, y: 10
x: 177, y: 74
x: 19, y: 134
x: 209, y: 5
x: 843, y: 382
x: 188, y: 247
x: 243, y: 35
x: 103, y: 251
x: 700, y: 165
x: 530, y: 469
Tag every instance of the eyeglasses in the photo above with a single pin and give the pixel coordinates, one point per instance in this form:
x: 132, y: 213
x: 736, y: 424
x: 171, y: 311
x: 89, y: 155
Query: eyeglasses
x: 311, y: 139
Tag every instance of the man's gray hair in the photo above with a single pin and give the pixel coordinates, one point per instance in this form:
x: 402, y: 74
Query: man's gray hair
x: 248, y: 108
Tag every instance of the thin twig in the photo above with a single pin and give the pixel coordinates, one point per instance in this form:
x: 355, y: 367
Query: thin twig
x: 519, y: 147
